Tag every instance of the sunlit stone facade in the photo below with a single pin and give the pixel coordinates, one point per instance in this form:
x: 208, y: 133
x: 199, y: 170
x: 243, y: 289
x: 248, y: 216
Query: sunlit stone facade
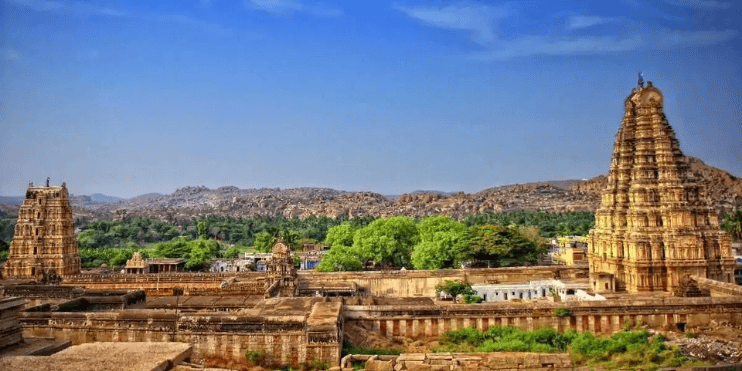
x: 44, y: 240
x: 654, y: 224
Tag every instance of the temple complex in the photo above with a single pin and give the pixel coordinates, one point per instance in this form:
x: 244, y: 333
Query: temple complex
x: 654, y: 225
x: 44, y: 242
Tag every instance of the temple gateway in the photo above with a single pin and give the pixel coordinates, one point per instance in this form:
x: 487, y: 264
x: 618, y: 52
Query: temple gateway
x: 44, y: 240
x: 654, y: 225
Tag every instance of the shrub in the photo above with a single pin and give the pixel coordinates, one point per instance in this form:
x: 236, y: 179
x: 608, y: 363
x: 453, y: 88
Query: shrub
x: 628, y: 325
x: 624, y: 350
x: 690, y: 335
x: 562, y: 312
x: 472, y: 299
x: 256, y: 357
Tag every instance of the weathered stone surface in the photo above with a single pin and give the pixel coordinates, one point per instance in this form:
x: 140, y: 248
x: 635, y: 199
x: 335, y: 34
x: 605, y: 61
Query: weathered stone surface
x: 379, y: 365
x: 44, y: 243
x: 484, y: 361
x: 104, y: 357
x: 655, y: 224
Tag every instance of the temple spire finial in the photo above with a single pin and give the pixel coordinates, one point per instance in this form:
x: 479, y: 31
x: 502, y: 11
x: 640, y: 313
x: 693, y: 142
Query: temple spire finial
x: 641, y: 80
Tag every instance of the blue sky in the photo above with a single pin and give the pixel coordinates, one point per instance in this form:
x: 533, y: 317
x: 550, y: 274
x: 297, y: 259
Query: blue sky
x: 129, y: 97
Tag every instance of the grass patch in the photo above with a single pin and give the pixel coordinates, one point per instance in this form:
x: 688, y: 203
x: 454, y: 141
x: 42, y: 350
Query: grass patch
x: 626, y: 350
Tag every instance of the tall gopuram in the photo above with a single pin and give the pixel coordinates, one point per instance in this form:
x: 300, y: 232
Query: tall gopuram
x: 44, y: 241
x: 654, y: 225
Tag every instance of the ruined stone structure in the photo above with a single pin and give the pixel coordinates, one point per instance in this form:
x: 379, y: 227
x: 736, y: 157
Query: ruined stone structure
x: 44, y: 242
x: 654, y: 225
x: 135, y: 265
x: 282, y: 277
x: 500, y: 361
x: 11, y: 332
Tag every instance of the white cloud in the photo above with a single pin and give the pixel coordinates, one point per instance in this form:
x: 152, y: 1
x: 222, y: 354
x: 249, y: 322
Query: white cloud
x: 9, y: 54
x: 478, y: 19
x: 482, y: 22
x: 287, y: 7
x: 75, y: 7
x: 584, y: 21
x: 677, y: 38
x: 541, y: 45
x: 591, y: 45
x: 708, y: 4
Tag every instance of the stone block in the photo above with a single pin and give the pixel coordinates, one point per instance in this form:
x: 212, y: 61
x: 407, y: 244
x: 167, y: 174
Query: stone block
x: 378, y: 365
x: 411, y: 357
x: 417, y: 367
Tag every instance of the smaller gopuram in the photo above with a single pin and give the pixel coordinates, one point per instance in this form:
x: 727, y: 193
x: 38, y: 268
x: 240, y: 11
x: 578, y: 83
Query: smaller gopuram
x: 282, y: 275
x: 44, y: 241
x: 654, y: 226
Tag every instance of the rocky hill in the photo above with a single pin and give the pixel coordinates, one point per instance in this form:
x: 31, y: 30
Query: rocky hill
x: 724, y: 190
x: 192, y: 202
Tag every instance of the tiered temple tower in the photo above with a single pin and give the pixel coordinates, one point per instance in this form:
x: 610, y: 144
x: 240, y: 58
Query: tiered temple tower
x: 282, y: 274
x: 654, y: 225
x: 44, y: 241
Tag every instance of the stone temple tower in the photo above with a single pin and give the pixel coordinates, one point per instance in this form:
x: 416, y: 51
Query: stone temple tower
x: 44, y: 241
x: 654, y: 225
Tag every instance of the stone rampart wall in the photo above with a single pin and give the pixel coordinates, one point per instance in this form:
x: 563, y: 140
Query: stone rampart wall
x: 598, y: 317
x: 282, y: 338
x: 386, y: 283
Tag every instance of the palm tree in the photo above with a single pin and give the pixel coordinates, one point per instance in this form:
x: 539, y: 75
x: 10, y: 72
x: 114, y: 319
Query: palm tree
x: 733, y: 224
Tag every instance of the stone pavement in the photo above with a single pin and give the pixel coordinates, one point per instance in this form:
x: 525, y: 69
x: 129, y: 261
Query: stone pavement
x: 105, y: 357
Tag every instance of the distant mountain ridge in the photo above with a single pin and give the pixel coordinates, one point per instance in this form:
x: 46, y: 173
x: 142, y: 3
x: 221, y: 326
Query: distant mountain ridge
x: 723, y: 189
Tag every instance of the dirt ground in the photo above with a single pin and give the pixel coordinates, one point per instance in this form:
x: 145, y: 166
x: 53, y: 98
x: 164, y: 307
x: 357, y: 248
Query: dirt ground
x: 718, y: 343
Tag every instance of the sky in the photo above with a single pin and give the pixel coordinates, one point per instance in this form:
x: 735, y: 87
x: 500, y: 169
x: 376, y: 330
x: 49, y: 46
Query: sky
x: 131, y: 97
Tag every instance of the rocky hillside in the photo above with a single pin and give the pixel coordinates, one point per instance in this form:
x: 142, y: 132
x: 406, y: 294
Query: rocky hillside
x: 192, y: 202
x: 725, y: 193
x: 723, y: 189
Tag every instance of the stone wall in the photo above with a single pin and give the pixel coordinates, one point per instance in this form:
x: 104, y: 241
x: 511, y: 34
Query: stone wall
x: 383, y: 283
x: 463, y: 361
x: 284, y: 339
x: 10, y: 329
x: 597, y: 317
x: 422, y: 282
x: 193, y: 284
x: 718, y: 288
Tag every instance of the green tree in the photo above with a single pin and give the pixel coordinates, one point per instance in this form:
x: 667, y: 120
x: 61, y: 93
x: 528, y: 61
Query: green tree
x: 387, y: 240
x: 202, y: 230
x: 202, y: 251
x: 733, y: 224
x: 455, y: 289
x: 441, y: 243
x: 264, y: 242
x: 339, y: 259
x: 340, y: 235
x: 502, y: 246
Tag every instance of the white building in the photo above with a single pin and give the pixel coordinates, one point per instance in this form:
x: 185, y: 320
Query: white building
x: 535, y: 290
